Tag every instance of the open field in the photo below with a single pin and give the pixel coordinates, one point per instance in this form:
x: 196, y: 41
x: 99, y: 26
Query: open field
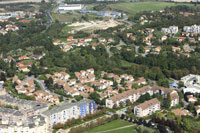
x: 68, y: 17
x: 132, y: 7
x: 111, y: 125
x: 118, y: 126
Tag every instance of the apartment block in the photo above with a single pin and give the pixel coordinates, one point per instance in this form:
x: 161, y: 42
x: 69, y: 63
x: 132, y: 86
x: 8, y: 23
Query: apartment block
x: 68, y: 111
x: 133, y: 95
x: 170, y: 30
x: 147, y: 108
x: 14, y: 121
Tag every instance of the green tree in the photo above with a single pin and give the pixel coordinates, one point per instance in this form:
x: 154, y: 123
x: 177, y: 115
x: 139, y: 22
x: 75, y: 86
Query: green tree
x: 95, y: 96
x: 168, y: 101
x: 121, y: 104
x: 135, y: 86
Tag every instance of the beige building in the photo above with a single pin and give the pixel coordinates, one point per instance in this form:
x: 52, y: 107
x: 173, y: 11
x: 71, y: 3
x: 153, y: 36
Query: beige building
x: 14, y: 121
x: 133, y: 95
x: 147, y: 108
x: 197, y: 108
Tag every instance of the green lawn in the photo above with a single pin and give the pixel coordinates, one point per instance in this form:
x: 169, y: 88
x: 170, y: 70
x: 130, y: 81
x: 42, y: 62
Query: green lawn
x: 111, y: 125
x: 68, y: 17
x: 118, y: 124
x: 133, y: 7
x: 126, y: 63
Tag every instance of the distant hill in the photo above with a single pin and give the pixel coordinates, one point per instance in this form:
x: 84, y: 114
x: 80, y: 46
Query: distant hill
x: 18, y: 1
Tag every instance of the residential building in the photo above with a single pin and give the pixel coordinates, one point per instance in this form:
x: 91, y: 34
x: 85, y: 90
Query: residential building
x: 133, y: 95
x: 180, y: 112
x: 15, y: 121
x: 170, y: 30
x: 68, y: 111
x: 191, y: 99
x: 197, y: 109
x: 147, y: 108
x: 192, y: 29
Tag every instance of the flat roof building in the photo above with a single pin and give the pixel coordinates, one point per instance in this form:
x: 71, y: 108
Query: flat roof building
x: 68, y: 111
x: 69, y: 7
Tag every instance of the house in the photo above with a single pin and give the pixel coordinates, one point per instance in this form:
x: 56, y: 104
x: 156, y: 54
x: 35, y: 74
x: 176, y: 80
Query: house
x: 186, y: 54
x: 147, y: 108
x: 70, y: 38
x: 187, y: 48
x: 192, y: 40
x: 176, y: 49
x: 186, y: 34
x: 180, y: 39
x: 101, y: 40
x: 163, y: 38
x: 150, y: 30
x: 132, y: 37
x: 10, y: 27
x: 43, y: 96
x: 191, y: 99
x: 57, y: 42
x: 180, y: 112
x: 158, y: 49
x: 37, y: 57
x: 129, y: 34
x: 148, y: 38
x: 174, y: 98
x: 25, y: 21
x: 24, y: 57
x: 23, y: 68
x: 88, y: 39
x: 140, y: 81
x: 147, y: 50
x: 9, y: 59
x: 197, y: 109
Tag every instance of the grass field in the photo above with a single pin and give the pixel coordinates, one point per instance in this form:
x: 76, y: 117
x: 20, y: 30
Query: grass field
x: 118, y: 124
x: 133, y: 7
x: 111, y: 125
x: 66, y: 17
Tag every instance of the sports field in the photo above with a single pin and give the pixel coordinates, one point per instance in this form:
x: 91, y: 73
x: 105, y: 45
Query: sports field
x: 132, y: 7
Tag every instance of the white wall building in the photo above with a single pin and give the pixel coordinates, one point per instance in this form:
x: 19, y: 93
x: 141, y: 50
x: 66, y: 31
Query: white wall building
x: 70, y: 7
x: 147, y: 108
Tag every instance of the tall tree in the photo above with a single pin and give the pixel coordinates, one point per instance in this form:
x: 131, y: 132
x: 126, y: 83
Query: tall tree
x: 168, y: 101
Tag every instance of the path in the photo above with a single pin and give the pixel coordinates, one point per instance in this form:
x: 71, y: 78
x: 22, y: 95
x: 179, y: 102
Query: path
x: 116, y: 129
x: 83, y: 124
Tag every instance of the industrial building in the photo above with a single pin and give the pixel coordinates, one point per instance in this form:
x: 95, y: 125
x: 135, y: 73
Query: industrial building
x: 69, y: 7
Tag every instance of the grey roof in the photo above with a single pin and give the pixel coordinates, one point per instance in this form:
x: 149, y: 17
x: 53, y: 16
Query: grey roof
x: 66, y: 106
x: 34, y: 104
x: 11, y: 111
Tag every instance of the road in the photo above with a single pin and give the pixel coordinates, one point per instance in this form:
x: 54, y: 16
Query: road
x: 48, y: 13
x: 42, y: 85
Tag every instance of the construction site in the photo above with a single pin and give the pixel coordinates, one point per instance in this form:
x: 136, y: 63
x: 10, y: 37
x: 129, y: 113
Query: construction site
x: 94, y: 25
